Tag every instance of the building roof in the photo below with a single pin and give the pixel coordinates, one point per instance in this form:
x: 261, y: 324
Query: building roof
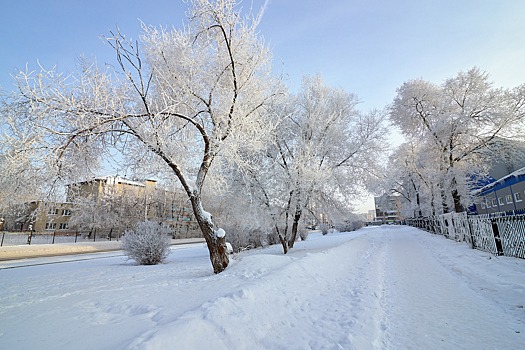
x: 113, y: 180
x: 506, y: 181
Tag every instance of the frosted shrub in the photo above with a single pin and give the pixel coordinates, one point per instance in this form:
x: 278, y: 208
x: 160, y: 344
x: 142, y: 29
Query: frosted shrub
x: 303, y: 233
x: 242, y: 238
x: 350, y: 225
x: 324, y: 228
x: 148, y: 243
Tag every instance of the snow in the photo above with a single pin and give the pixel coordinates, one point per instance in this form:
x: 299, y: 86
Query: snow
x: 206, y: 215
x: 388, y: 287
x: 220, y: 233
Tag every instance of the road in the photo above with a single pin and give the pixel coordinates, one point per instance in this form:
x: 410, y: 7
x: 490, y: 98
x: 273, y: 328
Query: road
x: 8, y: 253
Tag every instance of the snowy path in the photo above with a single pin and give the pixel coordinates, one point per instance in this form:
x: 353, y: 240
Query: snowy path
x: 429, y: 307
x: 378, y: 288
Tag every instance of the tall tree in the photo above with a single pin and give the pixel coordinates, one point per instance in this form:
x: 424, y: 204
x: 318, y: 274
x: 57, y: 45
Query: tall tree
x: 457, y: 120
x: 322, y: 151
x: 181, y: 98
x: 414, y: 176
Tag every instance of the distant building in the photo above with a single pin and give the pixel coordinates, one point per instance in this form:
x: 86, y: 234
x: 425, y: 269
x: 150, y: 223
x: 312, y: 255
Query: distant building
x: 142, y: 200
x: 387, y: 208
x: 106, y: 202
x: 38, y: 216
x: 503, y: 195
x: 371, y: 215
x: 503, y: 189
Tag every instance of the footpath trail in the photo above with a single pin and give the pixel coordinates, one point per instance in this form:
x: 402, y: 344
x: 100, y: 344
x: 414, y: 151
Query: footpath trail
x: 430, y: 304
x: 385, y: 288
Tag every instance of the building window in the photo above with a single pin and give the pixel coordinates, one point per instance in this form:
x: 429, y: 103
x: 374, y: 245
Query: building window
x: 51, y: 225
x: 500, y: 201
x: 494, y: 203
x: 483, y: 205
x: 517, y: 196
x: 488, y: 203
x: 66, y: 212
x: 63, y: 226
x: 52, y: 211
x: 509, y: 199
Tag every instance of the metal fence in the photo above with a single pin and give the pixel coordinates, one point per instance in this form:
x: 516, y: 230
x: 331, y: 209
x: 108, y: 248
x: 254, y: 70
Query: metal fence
x: 8, y: 238
x: 29, y: 237
x: 497, y: 234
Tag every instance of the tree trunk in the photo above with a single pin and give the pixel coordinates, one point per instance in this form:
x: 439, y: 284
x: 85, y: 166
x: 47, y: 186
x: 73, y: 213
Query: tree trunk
x: 433, y: 202
x: 216, y: 245
x: 444, y: 202
x: 420, y: 213
x: 458, y: 207
x: 282, y: 237
x: 295, y: 226
x: 283, y: 243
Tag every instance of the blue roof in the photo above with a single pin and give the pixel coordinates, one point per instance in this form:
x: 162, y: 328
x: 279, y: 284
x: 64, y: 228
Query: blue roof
x: 506, y: 181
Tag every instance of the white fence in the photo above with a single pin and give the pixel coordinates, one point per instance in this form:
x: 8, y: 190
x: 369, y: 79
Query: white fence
x: 500, y: 235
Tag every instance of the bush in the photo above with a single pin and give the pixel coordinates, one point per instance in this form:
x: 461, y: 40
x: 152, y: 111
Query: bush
x: 350, y: 225
x: 303, y: 233
x: 324, y: 228
x: 148, y: 244
x: 245, y: 238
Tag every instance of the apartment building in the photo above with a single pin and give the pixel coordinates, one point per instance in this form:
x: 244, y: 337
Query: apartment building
x: 103, y: 205
x: 387, y: 208
x: 130, y: 201
x: 39, y: 216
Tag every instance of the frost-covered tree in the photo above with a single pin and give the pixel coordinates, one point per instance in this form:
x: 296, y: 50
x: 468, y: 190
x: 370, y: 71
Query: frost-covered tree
x: 413, y: 176
x: 332, y: 150
x: 111, y: 212
x: 456, y: 120
x: 322, y: 151
x: 176, y: 100
x: 22, y: 180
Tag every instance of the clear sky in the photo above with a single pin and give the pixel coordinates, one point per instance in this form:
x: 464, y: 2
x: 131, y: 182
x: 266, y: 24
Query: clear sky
x: 368, y: 47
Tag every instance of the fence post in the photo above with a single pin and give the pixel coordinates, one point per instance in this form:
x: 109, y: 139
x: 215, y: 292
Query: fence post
x: 76, y: 235
x: 94, y: 235
x: 497, y: 238
x: 54, y: 234
x: 471, y: 232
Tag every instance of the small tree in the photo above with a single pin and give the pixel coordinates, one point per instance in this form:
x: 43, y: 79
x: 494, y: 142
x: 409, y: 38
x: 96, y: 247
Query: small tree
x: 148, y: 244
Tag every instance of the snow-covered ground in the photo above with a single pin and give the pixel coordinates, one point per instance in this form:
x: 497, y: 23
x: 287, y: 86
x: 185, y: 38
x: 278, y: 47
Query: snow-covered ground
x: 389, y: 287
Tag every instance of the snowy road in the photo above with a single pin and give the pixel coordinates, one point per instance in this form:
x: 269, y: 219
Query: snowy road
x: 377, y: 288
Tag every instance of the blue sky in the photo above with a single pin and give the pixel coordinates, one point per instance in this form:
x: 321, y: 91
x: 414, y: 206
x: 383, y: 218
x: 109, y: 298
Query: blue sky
x: 368, y: 47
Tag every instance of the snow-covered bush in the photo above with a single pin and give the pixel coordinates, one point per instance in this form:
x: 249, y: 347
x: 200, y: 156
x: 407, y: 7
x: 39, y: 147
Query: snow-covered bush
x: 272, y: 237
x: 242, y: 238
x: 350, y: 225
x: 148, y: 243
x: 324, y: 228
x: 303, y: 233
